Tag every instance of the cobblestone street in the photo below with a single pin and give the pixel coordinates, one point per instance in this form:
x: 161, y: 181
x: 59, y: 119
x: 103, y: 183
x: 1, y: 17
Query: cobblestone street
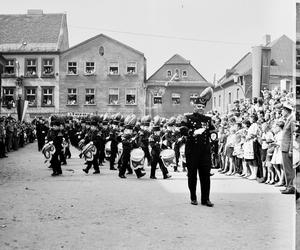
x: 76, y: 211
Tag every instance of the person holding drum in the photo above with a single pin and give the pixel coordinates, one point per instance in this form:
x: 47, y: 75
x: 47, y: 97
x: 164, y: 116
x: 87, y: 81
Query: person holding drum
x: 154, y: 141
x: 198, y: 149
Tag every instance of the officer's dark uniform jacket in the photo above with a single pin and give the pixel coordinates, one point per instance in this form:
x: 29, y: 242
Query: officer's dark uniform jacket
x: 198, y: 148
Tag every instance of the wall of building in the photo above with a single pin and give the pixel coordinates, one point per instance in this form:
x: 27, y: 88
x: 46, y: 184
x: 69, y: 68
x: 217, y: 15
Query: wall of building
x: 101, y: 81
x: 37, y: 82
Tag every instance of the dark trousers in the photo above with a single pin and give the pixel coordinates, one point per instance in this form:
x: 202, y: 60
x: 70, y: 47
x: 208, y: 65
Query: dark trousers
x: 41, y: 142
x: 55, y: 163
x: 289, y: 171
x: 2, y: 148
x: 204, y: 177
x: 155, y: 160
x: 147, y: 154
x: 93, y: 163
x: 68, y: 152
x: 125, y: 163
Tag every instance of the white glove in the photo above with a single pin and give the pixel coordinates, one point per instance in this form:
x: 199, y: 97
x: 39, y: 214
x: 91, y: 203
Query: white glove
x: 199, y: 131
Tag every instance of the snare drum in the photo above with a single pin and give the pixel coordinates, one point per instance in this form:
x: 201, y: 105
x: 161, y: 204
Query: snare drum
x: 137, y: 158
x: 167, y: 156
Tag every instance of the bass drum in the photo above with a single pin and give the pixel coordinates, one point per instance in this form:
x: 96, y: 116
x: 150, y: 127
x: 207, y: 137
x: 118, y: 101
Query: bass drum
x: 137, y: 158
x: 182, y: 154
x: 107, y: 150
x: 167, y: 156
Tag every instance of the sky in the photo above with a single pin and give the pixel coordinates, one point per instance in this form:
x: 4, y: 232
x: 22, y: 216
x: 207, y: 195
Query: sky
x: 212, y: 34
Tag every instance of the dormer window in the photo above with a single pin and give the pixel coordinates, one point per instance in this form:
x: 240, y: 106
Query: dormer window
x: 131, y: 68
x: 169, y: 73
x: 113, y: 68
x: 31, y: 68
x: 184, y: 73
x: 9, y: 68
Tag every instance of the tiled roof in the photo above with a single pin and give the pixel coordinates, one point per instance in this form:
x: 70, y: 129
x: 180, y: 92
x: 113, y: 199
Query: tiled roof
x: 30, y: 32
x: 177, y: 59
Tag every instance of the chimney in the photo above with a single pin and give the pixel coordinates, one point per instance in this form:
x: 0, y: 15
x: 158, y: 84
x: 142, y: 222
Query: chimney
x: 266, y: 39
x: 34, y: 12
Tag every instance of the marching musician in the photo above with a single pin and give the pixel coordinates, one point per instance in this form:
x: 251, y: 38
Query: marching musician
x: 93, y: 136
x: 155, y: 143
x: 198, y: 149
x: 55, y: 135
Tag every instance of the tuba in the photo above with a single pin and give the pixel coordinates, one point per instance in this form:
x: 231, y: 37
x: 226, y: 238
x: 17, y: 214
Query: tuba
x: 88, y: 151
x: 48, y: 150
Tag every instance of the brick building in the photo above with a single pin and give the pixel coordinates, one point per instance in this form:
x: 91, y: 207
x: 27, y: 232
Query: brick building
x: 31, y: 44
x: 102, y: 75
x: 266, y: 66
x: 173, y: 87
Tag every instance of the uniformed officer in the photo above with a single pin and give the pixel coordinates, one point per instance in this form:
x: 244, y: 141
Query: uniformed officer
x: 198, y: 149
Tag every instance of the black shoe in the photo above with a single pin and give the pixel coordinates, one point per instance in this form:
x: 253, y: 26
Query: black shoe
x: 112, y: 169
x: 153, y: 177
x: 122, y: 176
x: 85, y: 170
x: 129, y: 172
x: 54, y: 174
x: 167, y: 176
x: 64, y: 163
x: 207, y: 203
x: 141, y: 175
x: 194, y: 202
x: 288, y: 191
x: 96, y: 172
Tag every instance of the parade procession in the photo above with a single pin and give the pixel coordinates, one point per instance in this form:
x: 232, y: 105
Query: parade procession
x: 150, y: 125
x: 133, y: 144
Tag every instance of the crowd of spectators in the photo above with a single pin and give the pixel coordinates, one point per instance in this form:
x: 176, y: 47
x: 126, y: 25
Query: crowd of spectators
x: 14, y: 134
x: 256, y: 139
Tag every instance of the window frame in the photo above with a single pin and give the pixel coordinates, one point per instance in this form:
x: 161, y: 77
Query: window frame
x: 69, y: 104
x: 219, y: 100
x: 229, y: 98
x: 135, y: 99
x: 26, y: 95
x: 169, y: 70
x: 157, y: 95
x: 177, y: 77
x: 127, y: 65
x: 26, y: 67
x: 109, y: 66
x: 86, y: 94
x: 51, y: 75
x: 42, y: 96
x: 114, y: 104
x: 172, y: 97
x: 4, y: 104
x: 184, y: 70
x: 68, y: 72
x: 6, y: 75
x: 85, y: 67
x: 193, y: 95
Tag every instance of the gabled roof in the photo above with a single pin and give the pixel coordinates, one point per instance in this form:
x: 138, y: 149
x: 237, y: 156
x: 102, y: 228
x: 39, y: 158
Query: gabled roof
x: 177, y: 59
x: 33, y: 32
x: 107, y: 37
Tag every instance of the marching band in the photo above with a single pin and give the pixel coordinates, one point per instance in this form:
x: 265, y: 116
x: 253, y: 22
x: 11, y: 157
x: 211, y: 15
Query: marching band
x: 132, y: 143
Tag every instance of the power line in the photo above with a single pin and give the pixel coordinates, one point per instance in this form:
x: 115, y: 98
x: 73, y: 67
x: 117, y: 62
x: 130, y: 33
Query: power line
x: 163, y: 36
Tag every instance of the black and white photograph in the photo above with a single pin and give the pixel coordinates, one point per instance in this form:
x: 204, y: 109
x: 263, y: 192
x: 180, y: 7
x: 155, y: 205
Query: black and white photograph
x: 150, y: 125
